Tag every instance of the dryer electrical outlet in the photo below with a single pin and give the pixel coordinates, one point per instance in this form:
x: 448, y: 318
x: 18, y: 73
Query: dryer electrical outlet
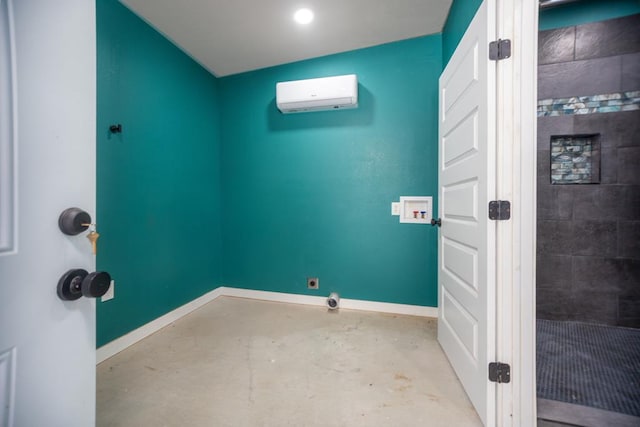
x: 313, y: 283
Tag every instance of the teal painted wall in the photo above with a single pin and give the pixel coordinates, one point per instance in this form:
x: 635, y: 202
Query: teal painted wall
x: 205, y: 164
x: 303, y: 195
x: 158, y: 204
x: 460, y: 16
x: 586, y: 11
x: 310, y: 194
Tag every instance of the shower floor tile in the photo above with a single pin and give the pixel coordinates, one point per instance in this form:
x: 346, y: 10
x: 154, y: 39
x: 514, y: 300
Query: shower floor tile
x: 589, y: 365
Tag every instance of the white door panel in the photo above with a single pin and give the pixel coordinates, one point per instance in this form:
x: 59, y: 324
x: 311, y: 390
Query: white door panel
x: 467, y: 144
x: 466, y: 272
x: 47, y: 153
x: 459, y: 84
x: 461, y: 199
x: 463, y: 326
x: 460, y: 262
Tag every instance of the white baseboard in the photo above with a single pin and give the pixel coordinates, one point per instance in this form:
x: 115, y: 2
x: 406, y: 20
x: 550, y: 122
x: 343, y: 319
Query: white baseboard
x: 351, y: 304
x: 273, y: 296
x: 389, y: 307
x: 119, y: 344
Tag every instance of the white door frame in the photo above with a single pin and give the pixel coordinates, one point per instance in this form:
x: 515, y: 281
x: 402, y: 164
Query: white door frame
x: 517, y: 20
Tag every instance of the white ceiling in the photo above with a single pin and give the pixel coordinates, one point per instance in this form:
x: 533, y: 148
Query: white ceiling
x: 233, y: 36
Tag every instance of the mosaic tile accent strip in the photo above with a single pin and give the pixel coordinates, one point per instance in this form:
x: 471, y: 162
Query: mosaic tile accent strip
x: 607, y: 103
x: 575, y: 159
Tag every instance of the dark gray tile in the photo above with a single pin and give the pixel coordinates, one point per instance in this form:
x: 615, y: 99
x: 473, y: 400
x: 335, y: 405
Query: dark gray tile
x: 629, y: 280
x: 629, y: 239
x: 593, y: 201
x: 543, y: 168
x: 625, y: 127
x: 555, y: 202
x: 564, y: 204
x: 547, y: 423
x: 595, y: 307
x: 628, y: 202
x: 595, y: 274
x: 631, y: 72
x: 597, y: 238
x: 553, y: 125
x: 609, y: 166
x: 602, y: 124
x: 607, y: 38
x: 588, y: 77
x: 553, y: 271
x: 616, y: 129
x: 554, y: 237
x: 629, y: 311
x: 556, y: 45
x: 553, y: 304
x: 629, y: 165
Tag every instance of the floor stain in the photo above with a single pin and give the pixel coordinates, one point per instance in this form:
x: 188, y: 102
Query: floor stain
x: 433, y: 397
x: 402, y: 377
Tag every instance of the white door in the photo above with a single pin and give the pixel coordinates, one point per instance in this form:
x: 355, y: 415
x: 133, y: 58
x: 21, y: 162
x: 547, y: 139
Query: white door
x: 466, y: 270
x: 47, y: 164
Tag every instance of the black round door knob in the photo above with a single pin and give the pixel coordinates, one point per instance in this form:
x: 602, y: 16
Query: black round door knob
x: 96, y: 284
x: 74, y: 221
x: 70, y: 284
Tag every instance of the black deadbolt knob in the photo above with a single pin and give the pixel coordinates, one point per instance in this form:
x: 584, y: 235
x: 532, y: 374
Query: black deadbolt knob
x: 74, y: 221
x: 70, y: 284
x: 96, y: 284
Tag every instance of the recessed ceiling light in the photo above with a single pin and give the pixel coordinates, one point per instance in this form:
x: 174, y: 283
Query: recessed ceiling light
x: 303, y: 16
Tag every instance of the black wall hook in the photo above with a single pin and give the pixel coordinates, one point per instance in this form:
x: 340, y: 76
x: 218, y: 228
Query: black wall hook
x: 115, y: 128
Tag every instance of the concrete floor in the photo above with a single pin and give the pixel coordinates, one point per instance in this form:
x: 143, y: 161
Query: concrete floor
x: 238, y: 362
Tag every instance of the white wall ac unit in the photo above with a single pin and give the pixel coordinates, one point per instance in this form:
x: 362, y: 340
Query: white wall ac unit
x: 327, y: 93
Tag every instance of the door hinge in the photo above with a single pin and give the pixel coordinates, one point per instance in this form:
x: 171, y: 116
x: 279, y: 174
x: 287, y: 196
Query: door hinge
x: 499, y: 372
x: 499, y: 210
x: 500, y: 49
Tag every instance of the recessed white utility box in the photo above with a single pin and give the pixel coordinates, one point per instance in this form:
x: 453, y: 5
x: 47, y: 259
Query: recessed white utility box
x: 416, y: 209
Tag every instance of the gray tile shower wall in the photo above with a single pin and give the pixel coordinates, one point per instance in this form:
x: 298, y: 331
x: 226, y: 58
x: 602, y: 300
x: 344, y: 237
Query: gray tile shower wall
x: 589, y: 234
x: 596, y: 40
x: 588, y: 77
x: 608, y: 38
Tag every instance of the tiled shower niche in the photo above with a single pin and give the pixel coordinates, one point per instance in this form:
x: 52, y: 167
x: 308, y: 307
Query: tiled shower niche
x: 575, y: 159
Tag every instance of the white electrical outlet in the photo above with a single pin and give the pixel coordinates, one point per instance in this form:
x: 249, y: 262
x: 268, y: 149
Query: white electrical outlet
x: 395, y: 208
x: 110, y: 293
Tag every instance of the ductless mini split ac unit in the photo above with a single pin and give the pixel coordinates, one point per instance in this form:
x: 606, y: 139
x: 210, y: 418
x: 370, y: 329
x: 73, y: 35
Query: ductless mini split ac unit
x: 327, y: 93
